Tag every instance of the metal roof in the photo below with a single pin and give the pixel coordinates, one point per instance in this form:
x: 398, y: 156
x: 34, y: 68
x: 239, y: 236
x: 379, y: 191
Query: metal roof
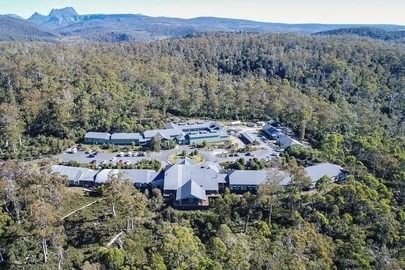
x: 103, y: 176
x: 186, y: 127
x: 126, y: 136
x: 285, y: 140
x: 203, y: 135
x: 316, y: 172
x: 271, y: 131
x: 134, y: 175
x: 74, y: 173
x: 249, y: 137
x: 190, y: 190
x: 139, y: 176
x: 177, y: 175
x: 165, y: 133
x: 246, y: 177
x: 97, y: 135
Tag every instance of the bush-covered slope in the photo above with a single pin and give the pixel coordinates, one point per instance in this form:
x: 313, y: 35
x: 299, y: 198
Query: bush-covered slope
x: 15, y: 29
x: 345, y: 96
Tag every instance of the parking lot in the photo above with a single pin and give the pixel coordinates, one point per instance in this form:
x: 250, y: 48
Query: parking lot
x: 264, y: 149
x: 82, y: 157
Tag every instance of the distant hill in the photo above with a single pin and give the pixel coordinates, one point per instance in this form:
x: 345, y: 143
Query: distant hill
x: 374, y: 33
x: 57, y: 18
x: 67, y: 24
x: 14, y: 29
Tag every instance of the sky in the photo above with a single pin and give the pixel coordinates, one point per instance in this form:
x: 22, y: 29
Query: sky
x: 286, y: 11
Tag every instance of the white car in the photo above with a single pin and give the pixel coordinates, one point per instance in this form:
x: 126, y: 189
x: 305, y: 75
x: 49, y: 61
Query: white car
x: 120, y: 154
x: 72, y: 150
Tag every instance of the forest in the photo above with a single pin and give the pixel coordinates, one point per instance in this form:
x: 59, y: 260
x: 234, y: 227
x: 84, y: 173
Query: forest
x: 343, y: 95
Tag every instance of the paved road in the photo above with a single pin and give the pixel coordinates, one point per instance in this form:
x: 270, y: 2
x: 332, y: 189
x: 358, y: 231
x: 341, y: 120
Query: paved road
x: 81, y: 157
x: 265, y: 152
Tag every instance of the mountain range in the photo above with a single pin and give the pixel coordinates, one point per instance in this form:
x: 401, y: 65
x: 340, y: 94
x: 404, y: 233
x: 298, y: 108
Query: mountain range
x: 67, y: 24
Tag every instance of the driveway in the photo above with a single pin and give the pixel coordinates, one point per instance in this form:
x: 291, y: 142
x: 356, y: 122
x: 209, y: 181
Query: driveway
x: 265, y: 152
x: 81, y: 157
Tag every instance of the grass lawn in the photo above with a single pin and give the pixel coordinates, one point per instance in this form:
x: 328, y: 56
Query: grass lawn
x: 76, y: 199
x: 198, y: 158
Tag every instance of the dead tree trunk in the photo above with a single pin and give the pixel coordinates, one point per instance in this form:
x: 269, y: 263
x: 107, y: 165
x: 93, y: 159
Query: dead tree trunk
x: 45, y: 250
x: 115, y: 238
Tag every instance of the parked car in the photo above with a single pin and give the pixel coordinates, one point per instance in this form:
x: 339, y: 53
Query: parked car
x: 91, y: 156
x: 120, y: 154
x: 127, y: 162
x: 129, y: 154
x: 93, y: 161
x: 141, y: 154
x: 72, y: 150
x: 134, y: 154
x: 248, y: 154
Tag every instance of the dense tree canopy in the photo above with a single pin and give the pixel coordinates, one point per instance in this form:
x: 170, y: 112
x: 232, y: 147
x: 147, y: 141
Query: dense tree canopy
x: 344, y: 95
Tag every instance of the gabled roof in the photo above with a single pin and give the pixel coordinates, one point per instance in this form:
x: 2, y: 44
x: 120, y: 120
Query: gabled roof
x: 177, y: 175
x: 165, y: 133
x: 97, y: 135
x: 103, y: 176
x: 185, y: 161
x: 249, y: 137
x: 246, y: 177
x: 255, y: 178
x: 284, y: 140
x: 187, y: 127
x: 74, y: 173
x: 126, y: 136
x: 133, y: 175
x: 213, y: 166
x: 206, y: 134
x: 271, y: 130
x: 190, y: 190
x: 139, y: 176
x: 316, y: 172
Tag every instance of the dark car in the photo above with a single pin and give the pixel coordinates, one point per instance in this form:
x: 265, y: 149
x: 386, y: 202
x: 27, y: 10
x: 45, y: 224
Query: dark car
x: 248, y: 154
x: 93, y: 161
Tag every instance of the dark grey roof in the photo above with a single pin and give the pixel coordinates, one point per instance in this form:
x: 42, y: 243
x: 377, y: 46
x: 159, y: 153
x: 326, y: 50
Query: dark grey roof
x: 97, y: 135
x: 271, y: 131
x: 190, y: 190
x: 245, y: 177
x: 177, y: 175
x: 126, y: 136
